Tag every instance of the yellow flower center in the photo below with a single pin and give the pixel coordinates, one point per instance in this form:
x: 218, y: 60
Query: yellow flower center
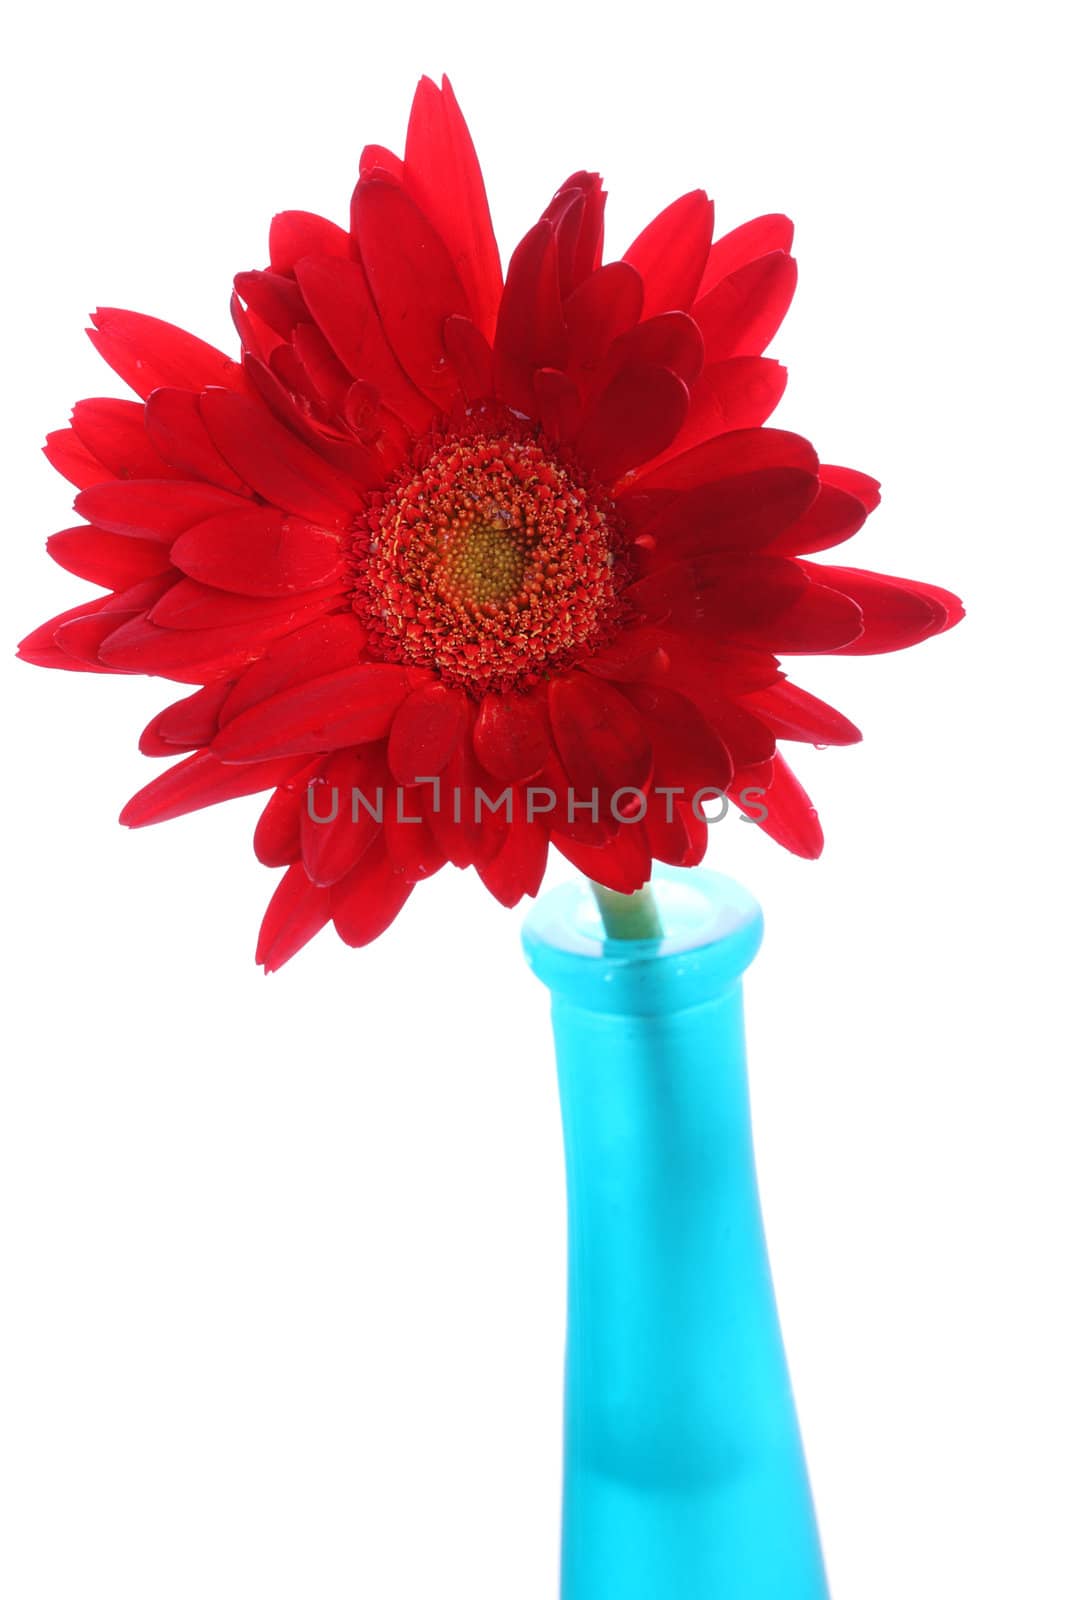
x: 492, y: 561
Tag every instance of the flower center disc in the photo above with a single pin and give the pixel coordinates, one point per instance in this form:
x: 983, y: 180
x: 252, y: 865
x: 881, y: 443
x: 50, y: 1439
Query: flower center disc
x: 490, y: 562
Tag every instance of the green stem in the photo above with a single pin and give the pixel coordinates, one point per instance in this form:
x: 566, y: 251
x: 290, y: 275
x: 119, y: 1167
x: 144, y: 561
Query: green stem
x: 628, y: 916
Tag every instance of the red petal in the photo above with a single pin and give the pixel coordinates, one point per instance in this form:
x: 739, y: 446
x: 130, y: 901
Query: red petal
x: 471, y: 358
x: 65, y: 451
x: 833, y: 517
x: 897, y: 613
x: 747, y: 739
x: 738, y: 393
x: 442, y: 175
x: 950, y: 603
x: 668, y: 591
x: 425, y: 732
x: 672, y: 252
x: 58, y: 660
x: 635, y: 418
x: 39, y: 648
x: 137, y: 645
x: 637, y: 653
x: 354, y: 706
x: 728, y: 396
x: 556, y: 403
x: 297, y: 912
x: 326, y: 645
x: 576, y: 212
x: 355, y: 467
x: 511, y: 736
x: 341, y: 816
x: 149, y: 354
x: 745, y: 450
x: 187, y: 724
x: 600, y: 738
x: 492, y: 825
x: 197, y: 655
x: 624, y: 864
x: 200, y: 780
x: 150, y: 509
x: 376, y: 160
x: 685, y: 748
x: 735, y: 513
x: 760, y: 237
x: 865, y: 489
x: 367, y: 901
x: 791, y: 713
x: 113, y: 431
x: 494, y: 807
x: 256, y: 338
x: 791, y: 818
x: 743, y: 591
x: 274, y: 298
x: 518, y: 867
x: 276, y: 841
x: 295, y: 234
x: 742, y: 314
x: 606, y: 305
x: 277, y: 465
x: 703, y: 670
x: 766, y: 603
x: 176, y: 428
x: 458, y: 836
x: 680, y: 836
x: 313, y: 381
x: 820, y: 618
x: 189, y: 604
x: 339, y: 299
x: 670, y: 339
x: 409, y: 839
x: 413, y: 281
x: 530, y: 326
x: 84, y: 636
x: 259, y: 551
x: 553, y: 800
x: 321, y: 372
x: 740, y: 490
x: 109, y: 559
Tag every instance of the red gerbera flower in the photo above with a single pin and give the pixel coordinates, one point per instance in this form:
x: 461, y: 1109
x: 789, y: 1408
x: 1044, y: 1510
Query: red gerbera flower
x: 464, y: 566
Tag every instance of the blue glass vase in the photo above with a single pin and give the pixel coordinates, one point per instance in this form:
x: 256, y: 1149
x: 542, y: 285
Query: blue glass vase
x: 684, y: 1473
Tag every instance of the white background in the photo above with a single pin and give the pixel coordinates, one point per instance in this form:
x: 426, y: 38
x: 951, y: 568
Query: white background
x: 282, y: 1261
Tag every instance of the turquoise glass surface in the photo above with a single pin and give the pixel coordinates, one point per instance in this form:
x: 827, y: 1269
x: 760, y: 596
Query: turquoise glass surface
x: 684, y: 1472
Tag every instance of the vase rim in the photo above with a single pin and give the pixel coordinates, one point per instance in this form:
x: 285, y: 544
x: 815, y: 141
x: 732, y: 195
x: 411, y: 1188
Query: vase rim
x: 712, y: 929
